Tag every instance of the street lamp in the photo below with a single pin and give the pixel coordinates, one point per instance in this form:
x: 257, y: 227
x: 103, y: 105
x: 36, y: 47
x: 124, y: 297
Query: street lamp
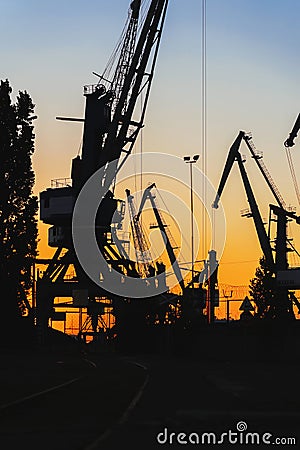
x: 192, y: 160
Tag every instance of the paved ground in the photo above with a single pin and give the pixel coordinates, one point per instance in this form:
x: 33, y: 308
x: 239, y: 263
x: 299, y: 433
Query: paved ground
x: 68, y: 418
x: 30, y: 371
x: 125, y: 402
x: 192, y: 396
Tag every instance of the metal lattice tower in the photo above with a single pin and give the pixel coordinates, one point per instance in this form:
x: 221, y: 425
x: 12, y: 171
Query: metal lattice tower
x: 126, y: 55
x: 141, y: 243
x: 258, y: 157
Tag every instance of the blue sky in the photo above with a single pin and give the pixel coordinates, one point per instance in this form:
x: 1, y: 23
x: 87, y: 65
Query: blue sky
x: 253, y: 72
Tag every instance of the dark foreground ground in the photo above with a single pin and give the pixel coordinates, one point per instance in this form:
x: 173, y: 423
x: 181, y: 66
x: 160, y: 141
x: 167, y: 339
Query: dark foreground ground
x: 184, y: 396
x: 233, y: 382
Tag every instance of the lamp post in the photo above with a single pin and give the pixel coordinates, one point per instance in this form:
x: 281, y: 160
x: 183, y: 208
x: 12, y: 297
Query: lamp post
x: 192, y: 160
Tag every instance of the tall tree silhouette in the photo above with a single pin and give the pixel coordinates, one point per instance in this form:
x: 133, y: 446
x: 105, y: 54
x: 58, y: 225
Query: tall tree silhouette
x: 261, y: 289
x: 18, y: 206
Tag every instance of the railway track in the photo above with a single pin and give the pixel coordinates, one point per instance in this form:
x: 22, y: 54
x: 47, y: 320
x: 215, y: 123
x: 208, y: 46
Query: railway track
x: 74, y: 414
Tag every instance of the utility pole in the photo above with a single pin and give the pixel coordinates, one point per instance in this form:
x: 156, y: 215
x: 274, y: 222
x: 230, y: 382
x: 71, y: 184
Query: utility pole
x: 212, y: 285
x: 192, y: 160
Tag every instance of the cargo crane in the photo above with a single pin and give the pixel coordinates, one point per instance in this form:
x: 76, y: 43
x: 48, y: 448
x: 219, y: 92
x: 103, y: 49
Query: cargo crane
x: 191, y: 301
x: 282, y: 308
x: 167, y: 237
x: 109, y: 132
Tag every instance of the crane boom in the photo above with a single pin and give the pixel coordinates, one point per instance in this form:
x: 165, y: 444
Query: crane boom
x: 109, y: 126
x: 141, y: 244
x: 264, y: 170
x: 117, y: 137
x: 293, y: 134
x: 162, y: 227
x: 288, y: 144
x: 234, y: 155
x: 126, y: 54
x: 227, y: 168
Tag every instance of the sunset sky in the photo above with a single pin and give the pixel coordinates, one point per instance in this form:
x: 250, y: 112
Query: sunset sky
x: 253, y: 76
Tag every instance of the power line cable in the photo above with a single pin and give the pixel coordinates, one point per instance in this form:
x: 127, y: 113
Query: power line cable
x: 204, y: 127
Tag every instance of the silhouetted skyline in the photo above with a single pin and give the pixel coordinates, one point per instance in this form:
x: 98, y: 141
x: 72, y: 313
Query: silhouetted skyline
x: 252, y: 78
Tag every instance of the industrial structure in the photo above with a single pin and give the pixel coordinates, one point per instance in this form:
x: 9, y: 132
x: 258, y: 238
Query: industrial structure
x: 110, y: 131
x: 109, y: 135
x: 282, y: 306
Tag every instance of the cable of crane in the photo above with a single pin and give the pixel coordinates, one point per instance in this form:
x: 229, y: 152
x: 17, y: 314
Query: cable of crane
x: 213, y: 219
x: 141, y: 146
x: 204, y: 125
x: 116, y: 51
x: 293, y: 174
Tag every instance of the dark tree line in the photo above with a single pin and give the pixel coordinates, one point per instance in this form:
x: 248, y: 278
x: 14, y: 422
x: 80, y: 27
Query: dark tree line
x: 18, y: 205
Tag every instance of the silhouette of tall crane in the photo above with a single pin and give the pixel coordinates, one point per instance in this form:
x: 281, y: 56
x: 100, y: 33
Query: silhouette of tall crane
x: 109, y: 132
x: 282, y: 308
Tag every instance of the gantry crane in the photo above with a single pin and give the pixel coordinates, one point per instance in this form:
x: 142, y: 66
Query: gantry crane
x: 282, y: 308
x: 109, y: 133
